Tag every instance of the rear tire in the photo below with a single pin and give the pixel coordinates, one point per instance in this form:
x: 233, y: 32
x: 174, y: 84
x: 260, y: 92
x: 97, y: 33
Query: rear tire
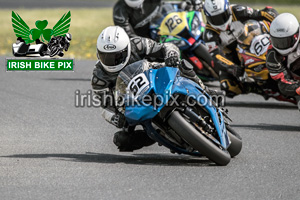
x: 198, y: 141
x: 236, y: 142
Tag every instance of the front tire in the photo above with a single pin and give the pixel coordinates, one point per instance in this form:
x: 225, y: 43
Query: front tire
x: 198, y: 141
x: 236, y: 142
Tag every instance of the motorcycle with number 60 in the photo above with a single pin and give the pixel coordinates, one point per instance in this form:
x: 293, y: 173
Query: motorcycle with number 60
x: 252, y: 49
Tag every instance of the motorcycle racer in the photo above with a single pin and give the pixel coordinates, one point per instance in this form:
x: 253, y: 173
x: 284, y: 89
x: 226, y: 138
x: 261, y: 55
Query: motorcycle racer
x: 252, y: 49
x: 224, y: 26
x: 116, y: 51
x: 134, y: 16
x: 283, y: 57
x: 58, y: 44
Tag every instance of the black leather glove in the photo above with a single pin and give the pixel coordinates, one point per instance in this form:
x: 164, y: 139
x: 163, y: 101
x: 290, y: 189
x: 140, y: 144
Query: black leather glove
x: 172, y: 61
x: 268, y: 13
x: 118, y: 120
x: 235, y: 70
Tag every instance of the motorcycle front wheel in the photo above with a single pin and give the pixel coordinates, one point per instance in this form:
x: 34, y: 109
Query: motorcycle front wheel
x: 198, y: 141
x: 54, y: 51
x: 236, y: 142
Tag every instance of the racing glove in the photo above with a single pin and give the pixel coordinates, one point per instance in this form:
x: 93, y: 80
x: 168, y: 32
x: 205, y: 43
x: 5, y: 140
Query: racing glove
x: 172, y: 61
x: 268, y: 13
x: 235, y: 70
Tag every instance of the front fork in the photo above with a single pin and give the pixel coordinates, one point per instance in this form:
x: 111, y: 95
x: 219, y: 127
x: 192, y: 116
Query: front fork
x: 224, y: 140
x: 198, y: 119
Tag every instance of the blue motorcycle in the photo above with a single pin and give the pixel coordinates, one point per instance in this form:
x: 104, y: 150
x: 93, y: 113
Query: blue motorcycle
x: 177, y: 113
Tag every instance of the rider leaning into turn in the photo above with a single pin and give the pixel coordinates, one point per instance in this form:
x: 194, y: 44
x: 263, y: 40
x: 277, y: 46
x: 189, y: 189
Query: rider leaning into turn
x: 115, y: 51
x: 134, y: 16
x: 284, y: 56
x: 222, y: 30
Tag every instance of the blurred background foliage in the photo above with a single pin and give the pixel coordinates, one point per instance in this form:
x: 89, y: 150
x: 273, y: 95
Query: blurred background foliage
x: 87, y: 23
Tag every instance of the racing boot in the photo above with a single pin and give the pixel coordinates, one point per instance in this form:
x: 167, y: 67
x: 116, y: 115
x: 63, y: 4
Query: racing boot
x: 133, y: 140
x: 253, y: 88
x: 298, y: 102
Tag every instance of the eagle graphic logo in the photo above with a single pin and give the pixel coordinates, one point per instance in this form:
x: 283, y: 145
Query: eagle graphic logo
x: 22, y: 30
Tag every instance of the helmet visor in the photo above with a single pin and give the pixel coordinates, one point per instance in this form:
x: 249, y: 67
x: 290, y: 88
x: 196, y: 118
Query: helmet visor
x: 114, y: 58
x: 219, y: 19
x: 286, y: 42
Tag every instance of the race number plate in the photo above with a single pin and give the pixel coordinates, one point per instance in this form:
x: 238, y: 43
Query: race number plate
x: 138, y: 84
x: 173, y: 24
x: 260, y: 44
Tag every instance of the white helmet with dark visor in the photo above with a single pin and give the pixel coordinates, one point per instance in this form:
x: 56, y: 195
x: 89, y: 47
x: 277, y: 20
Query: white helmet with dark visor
x: 218, y: 13
x: 284, y: 32
x: 113, y: 48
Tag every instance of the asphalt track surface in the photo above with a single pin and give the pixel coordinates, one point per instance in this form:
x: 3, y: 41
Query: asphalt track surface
x: 49, y: 149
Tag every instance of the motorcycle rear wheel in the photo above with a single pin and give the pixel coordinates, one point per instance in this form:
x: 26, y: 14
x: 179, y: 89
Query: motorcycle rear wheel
x: 198, y: 141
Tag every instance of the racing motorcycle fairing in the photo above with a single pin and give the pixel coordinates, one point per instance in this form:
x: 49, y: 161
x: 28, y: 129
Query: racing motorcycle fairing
x: 254, y: 65
x: 165, y: 83
x: 253, y: 57
x: 182, y: 28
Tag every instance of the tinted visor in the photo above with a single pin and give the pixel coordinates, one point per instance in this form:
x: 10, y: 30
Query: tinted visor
x: 219, y: 19
x: 114, y: 58
x: 285, y: 43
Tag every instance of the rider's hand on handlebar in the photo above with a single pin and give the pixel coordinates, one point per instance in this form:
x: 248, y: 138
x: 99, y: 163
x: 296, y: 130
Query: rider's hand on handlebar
x: 172, y: 61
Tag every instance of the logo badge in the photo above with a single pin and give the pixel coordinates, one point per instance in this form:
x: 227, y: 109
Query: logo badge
x: 110, y: 47
x: 48, y: 41
x: 38, y: 45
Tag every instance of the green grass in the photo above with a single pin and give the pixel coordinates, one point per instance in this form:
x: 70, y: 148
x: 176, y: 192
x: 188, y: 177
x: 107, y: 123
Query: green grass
x: 86, y: 25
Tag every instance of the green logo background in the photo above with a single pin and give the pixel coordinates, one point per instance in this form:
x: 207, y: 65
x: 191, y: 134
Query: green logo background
x: 22, y: 30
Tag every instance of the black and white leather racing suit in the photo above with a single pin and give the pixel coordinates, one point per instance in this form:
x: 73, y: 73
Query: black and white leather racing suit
x: 60, y: 43
x: 103, y: 82
x: 223, y: 44
x: 281, y: 69
x: 136, y: 22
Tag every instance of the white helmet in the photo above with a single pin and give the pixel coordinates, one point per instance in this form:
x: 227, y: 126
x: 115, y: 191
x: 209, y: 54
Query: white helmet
x: 218, y: 13
x: 134, y: 3
x: 68, y: 37
x: 284, y: 32
x: 113, y: 48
